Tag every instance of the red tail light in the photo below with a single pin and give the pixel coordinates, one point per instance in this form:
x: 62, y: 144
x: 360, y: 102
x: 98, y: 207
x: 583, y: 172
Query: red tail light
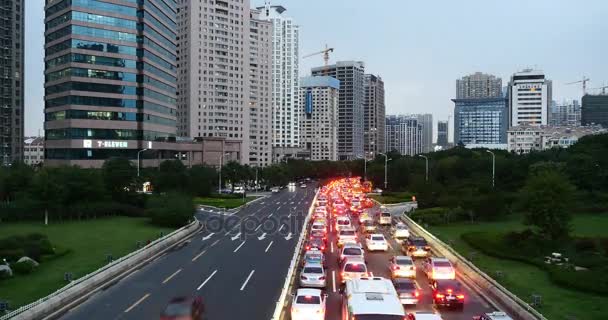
x: 395, y: 267
x: 307, y: 247
x: 449, y: 291
x: 439, y: 296
x: 322, y: 278
x: 322, y: 248
x: 416, y: 294
x: 460, y: 297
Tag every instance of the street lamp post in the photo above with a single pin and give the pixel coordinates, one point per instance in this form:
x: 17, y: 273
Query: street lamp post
x: 138, y: 153
x: 493, y: 167
x: 219, y: 186
x: 426, y: 175
x: 386, y: 160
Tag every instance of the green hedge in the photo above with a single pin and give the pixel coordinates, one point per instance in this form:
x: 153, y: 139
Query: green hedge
x: 438, y: 215
x: 526, y: 248
x: 33, y: 245
x: 23, y: 267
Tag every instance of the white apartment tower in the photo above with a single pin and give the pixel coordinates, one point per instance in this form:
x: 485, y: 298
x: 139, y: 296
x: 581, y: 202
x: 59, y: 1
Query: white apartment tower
x: 216, y: 71
x: 529, y: 98
x: 318, y: 109
x: 285, y: 86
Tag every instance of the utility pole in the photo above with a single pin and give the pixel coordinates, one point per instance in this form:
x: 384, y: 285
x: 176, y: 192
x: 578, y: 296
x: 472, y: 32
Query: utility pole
x: 386, y: 159
x: 219, y: 186
x: 493, y: 167
x: 138, y: 153
x: 427, y: 167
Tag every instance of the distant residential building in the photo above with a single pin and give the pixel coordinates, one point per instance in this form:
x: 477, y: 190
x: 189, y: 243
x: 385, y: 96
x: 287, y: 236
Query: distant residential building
x: 478, y: 85
x: 285, y: 80
x: 319, y: 99
x: 530, y: 94
x: 523, y: 139
x: 33, y: 150
x: 491, y: 146
x: 12, y: 81
x: 374, y: 116
x: 404, y: 134
x: 594, y: 110
x: 565, y: 114
x: 442, y: 134
x: 351, y: 75
x: 426, y: 121
x: 480, y: 121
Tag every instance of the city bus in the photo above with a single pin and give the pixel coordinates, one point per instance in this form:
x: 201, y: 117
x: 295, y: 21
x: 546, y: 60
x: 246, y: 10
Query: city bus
x: 371, y: 298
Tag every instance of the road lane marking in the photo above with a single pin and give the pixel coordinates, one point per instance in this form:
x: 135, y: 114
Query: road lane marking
x: 173, y: 275
x: 268, y: 246
x: 333, y: 280
x: 281, y: 228
x: 247, y: 280
x: 289, y: 215
x: 208, y: 236
x: 270, y: 215
x: 256, y: 229
x: 332, y: 247
x: 137, y: 302
x: 206, y: 280
x: 198, y: 255
x: 237, y: 248
x: 215, y: 242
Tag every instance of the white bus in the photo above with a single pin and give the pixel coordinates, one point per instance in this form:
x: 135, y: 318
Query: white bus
x: 371, y: 298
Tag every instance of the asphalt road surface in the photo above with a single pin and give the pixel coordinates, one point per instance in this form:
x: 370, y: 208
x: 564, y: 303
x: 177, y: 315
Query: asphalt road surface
x: 238, y: 264
x: 377, y: 263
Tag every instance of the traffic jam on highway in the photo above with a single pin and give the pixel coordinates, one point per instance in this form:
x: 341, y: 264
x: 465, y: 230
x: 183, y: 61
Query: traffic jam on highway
x: 358, y: 262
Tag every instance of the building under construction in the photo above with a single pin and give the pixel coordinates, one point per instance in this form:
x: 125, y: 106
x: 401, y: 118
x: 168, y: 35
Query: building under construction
x: 11, y: 80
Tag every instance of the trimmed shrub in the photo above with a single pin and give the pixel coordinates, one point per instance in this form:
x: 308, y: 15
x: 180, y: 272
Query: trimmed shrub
x: 24, y: 267
x: 595, y: 281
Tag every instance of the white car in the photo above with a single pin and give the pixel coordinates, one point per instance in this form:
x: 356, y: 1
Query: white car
x: 402, y: 267
x: 313, y: 276
x: 424, y: 315
x: 343, y: 223
x: 347, y: 235
x: 400, y: 231
x: 275, y: 189
x: 376, y: 242
x: 308, y: 304
x: 439, y: 268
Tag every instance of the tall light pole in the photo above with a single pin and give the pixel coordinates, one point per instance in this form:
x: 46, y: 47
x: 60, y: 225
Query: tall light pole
x: 493, y: 167
x: 426, y: 175
x: 138, y: 153
x: 386, y: 159
x: 219, y: 186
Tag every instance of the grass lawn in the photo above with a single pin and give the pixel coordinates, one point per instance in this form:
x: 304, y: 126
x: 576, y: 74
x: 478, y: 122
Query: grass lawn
x: 525, y: 280
x: 392, y: 197
x: 88, y: 241
x: 227, y: 202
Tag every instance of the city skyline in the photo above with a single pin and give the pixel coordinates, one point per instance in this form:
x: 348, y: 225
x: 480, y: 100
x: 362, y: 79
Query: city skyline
x: 424, y: 82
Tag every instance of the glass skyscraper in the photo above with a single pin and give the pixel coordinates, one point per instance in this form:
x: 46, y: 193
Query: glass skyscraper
x: 110, y: 79
x: 480, y: 121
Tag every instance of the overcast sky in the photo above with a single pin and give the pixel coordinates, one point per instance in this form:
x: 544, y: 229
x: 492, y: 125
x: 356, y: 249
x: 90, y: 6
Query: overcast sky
x: 420, y: 48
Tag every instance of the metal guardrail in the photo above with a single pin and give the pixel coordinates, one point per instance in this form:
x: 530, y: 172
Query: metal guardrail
x: 516, y: 306
x: 80, y: 280
x: 295, y: 261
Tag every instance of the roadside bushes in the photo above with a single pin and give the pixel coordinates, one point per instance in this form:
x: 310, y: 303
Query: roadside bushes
x: 33, y: 245
x: 171, y: 210
x: 439, y: 215
x: 23, y: 267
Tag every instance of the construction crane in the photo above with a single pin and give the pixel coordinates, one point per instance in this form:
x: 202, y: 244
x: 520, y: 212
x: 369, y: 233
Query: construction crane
x: 324, y: 52
x: 603, y: 88
x: 584, y: 82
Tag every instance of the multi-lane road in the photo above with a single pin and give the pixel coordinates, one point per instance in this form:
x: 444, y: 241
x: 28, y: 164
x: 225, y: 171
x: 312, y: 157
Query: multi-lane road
x: 238, y: 264
x: 377, y: 264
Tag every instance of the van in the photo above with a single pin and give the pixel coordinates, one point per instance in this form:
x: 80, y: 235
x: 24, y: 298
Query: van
x: 385, y: 218
x: 342, y: 223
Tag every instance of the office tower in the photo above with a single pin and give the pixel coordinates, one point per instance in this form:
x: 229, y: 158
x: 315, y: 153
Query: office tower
x: 350, y: 108
x: 478, y: 85
x: 442, y: 133
x: 374, y: 116
x: 403, y: 134
x: 529, y: 98
x: 594, y: 110
x: 480, y: 121
x: 12, y: 81
x: 109, y: 80
x: 260, y: 91
x: 213, y: 73
x: 319, y: 98
x: 565, y: 114
x: 285, y: 69
x: 426, y: 121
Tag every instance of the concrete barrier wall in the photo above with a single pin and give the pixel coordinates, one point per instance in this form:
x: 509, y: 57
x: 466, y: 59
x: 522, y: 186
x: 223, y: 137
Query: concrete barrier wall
x: 81, y: 288
x: 510, y: 303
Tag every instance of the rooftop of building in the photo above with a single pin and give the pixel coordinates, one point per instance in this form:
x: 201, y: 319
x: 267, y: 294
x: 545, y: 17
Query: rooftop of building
x: 350, y: 63
x: 34, y: 140
x: 558, y: 131
x: 320, y: 81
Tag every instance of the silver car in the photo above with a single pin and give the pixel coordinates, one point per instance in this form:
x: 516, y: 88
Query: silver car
x: 313, y: 276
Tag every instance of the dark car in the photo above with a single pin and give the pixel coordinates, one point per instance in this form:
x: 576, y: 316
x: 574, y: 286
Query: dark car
x: 416, y: 247
x: 315, y: 243
x: 449, y: 293
x: 184, y: 308
x: 407, y: 290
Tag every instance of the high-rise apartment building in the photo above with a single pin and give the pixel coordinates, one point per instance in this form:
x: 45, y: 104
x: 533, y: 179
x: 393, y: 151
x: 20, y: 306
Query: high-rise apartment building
x: 594, y: 110
x: 374, y: 116
x: 478, y: 85
x: 285, y: 80
x: 442, y: 133
x: 260, y: 91
x: 530, y: 94
x: 33, y: 151
x: 426, y: 121
x: 12, y: 113
x: 404, y: 134
x: 110, y: 81
x: 565, y: 114
x: 351, y: 75
x: 480, y: 121
x: 319, y: 117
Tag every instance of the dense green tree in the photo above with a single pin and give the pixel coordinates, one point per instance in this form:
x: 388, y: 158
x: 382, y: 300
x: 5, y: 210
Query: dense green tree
x: 172, y: 210
x: 119, y: 178
x: 546, y: 200
x: 172, y: 176
x: 201, y: 180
